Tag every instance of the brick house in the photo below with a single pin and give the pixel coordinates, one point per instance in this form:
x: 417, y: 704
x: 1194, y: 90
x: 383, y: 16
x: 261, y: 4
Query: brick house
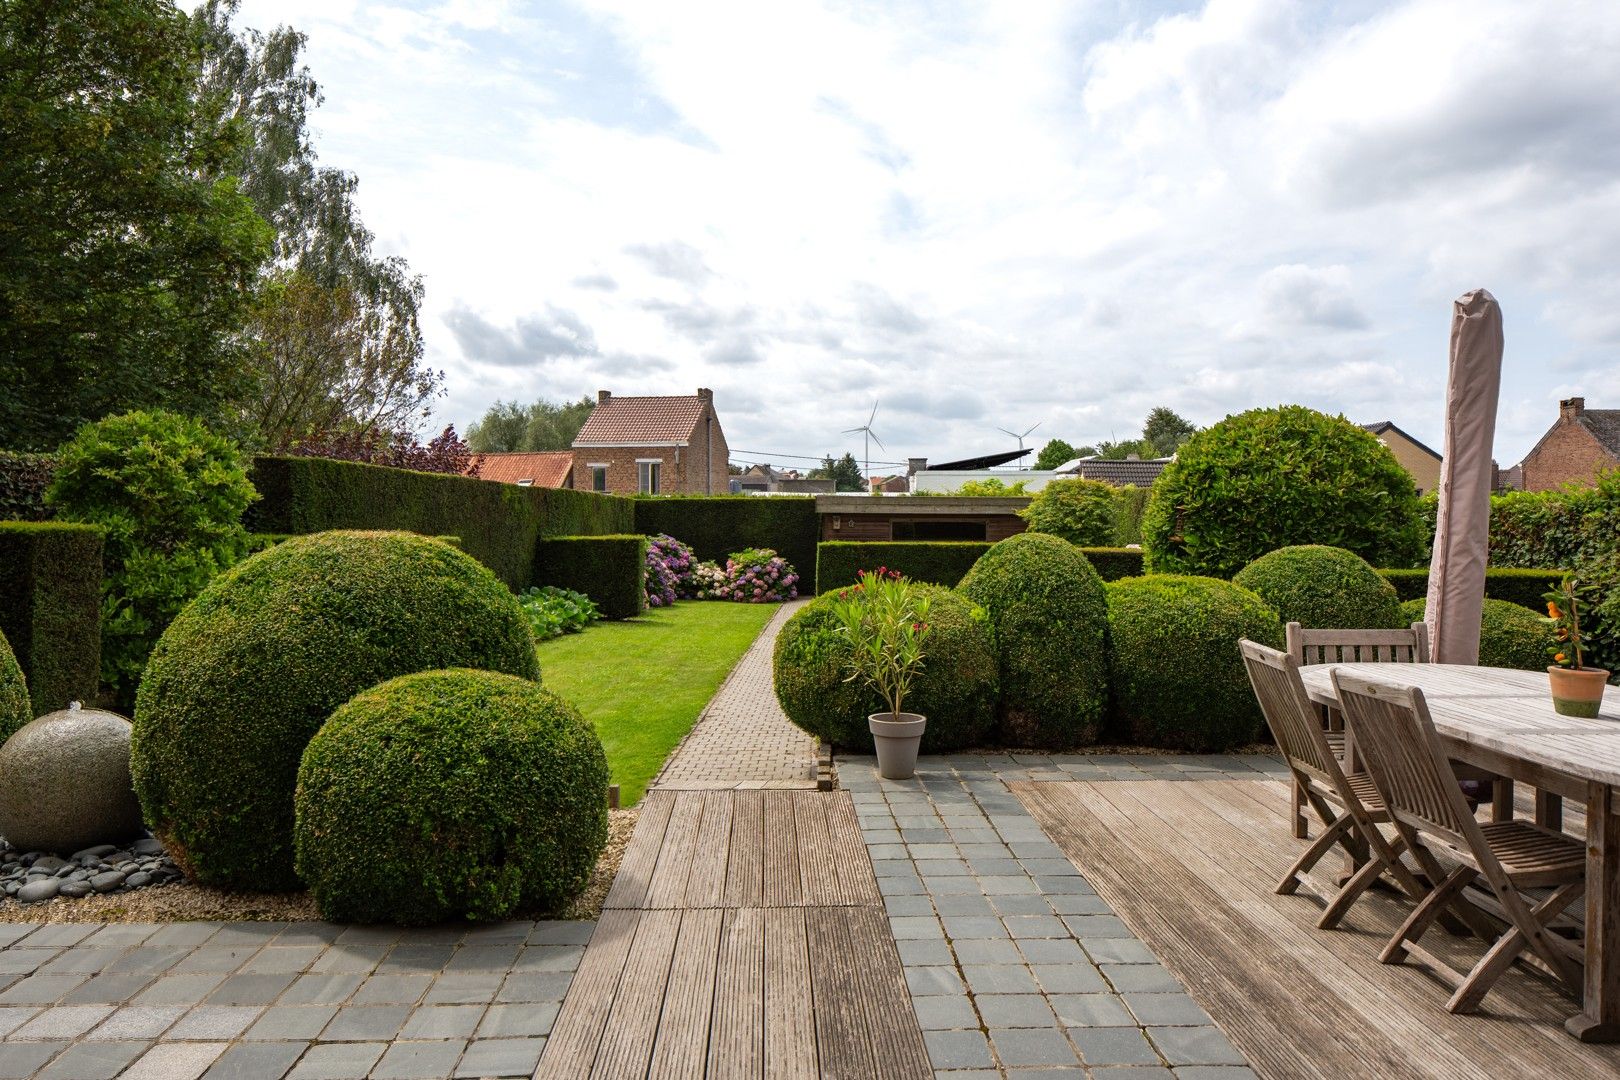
x: 655, y: 445
x: 1582, y: 443
x: 1416, y: 458
x: 547, y: 468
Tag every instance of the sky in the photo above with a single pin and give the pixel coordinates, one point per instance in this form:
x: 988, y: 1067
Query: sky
x: 984, y: 215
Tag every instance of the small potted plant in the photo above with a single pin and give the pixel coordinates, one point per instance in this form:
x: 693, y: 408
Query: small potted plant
x: 886, y: 622
x: 1577, y: 690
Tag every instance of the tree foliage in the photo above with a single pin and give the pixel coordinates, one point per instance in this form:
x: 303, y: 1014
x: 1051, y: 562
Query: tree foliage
x: 127, y: 250
x: 845, y: 473
x: 446, y: 452
x: 545, y: 425
x: 1079, y: 511
x: 1055, y: 453
x: 1165, y: 431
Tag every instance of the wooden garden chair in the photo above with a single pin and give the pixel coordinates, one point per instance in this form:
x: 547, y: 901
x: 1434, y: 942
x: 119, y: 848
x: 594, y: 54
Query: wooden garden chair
x: 1348, y: 805
x: 1396, y: 738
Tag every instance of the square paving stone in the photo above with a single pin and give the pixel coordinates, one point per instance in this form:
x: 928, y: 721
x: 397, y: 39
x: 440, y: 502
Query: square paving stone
x: 442, y: 1022
x: 215, y: 1022
x: 1119, y: 951
x: 175, y: 1061
x: 908, y: 905
x: 1058, y: 867
x: 211, y: 958
x: 292, y: 1022
x: 392, y: 990
x: 957, y: 1049
x: 364, y: 1023
x: 1026, y: 1046
x: 337, y: 1061
x: 910, y: 928
x: 1146, y: 977
x: 350, y: 958
x: 986, y: 952
x: 1036, y: 926
x: 369, y: 935
x: 251, y: 988
x: 325, y: 988
x: 1091, y: 1010
x: 1066, y: 886
x: 138, y: 1022
x: 543, y: 986
x: 1053, y: 951
x: 144, y: 959
x: 92, y: 1061
x: 924, y: 953
x: 1167, y: 1010
x: 549, y: 958
x: 256, y: 1061
x: 416, y: 959
x: 1132, y: 1072
x: 469, y: 989
x: 1014, y: 1010
x: 501, y: 1057
x: 107, y: 989
x: 63, y: 1022
x: 60, y: 935
x: 121, y: 935
x: 81, y: 960
x: 510, y: 932
x: 22, y: 1059
x: 11, y: 933
x: 483, y: 958
x: 940, y: 1013
x: 1214, y: 1072
x: 518, y: 1021
x: 996, y: 867
x: 248, y: 933
x: 900, y: 887
x: 1070, y: 979
x: 961, y: 904
x: 973, y: 926
x: 1021, y: 905
x: 1076, y: 903
x: 288, y: 958
x: 309, y: 933
x: 41, y: 989
x: 1114, y: 1046
x: 419, y: 1060
x: 181, y: 936
x: 179, y: 989
x: 13, y: 1017
x: 933, y: 980
x: 999, y: 979
x: 1096, y: 926
x: 21, y: 961
x: 1006, y: 885
x: 1195, y: 1046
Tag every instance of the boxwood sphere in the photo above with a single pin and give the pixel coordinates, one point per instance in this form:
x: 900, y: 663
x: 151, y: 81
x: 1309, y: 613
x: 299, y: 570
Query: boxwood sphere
x: 1323, y: 588
x: 956, y: 689
x: 1051, y: 620
x: 251, y: 669
x: 1510, y: 635
x: 16, y: 710
x: 1177, y: 677
x: 450, y: 794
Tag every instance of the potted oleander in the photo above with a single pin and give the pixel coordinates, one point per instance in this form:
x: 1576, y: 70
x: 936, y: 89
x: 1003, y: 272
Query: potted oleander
x: 886, y: 622
x: 1577, y: 690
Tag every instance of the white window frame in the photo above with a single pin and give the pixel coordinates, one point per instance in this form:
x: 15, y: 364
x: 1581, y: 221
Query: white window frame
x: 593, y: 466
x: 647, y: 480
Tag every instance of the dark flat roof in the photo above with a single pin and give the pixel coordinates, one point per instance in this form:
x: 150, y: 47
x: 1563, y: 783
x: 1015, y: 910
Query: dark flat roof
x: 988, y: 461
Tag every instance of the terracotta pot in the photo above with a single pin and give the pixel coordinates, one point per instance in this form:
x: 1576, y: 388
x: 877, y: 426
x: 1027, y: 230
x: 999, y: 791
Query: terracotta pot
x: 1577, y: 691
x: 896, y: 736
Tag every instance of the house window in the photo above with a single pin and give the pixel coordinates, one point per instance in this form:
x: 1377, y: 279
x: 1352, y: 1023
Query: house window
x: 938, y: 530
x: 598, y: 477
x: 526, y: 482
x: 647, y: 470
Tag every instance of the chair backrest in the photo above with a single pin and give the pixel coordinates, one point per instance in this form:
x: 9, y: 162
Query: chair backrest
x: 1396, y: 741
x: 1408, y: 646
x: 1288, y: 709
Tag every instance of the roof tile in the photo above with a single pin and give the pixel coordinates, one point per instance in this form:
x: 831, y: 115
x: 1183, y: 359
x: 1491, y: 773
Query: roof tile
x: 642, y: 421
x: 548, y: 469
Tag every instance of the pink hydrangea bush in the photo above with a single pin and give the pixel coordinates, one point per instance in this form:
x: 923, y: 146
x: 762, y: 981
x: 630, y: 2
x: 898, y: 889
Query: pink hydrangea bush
x: 759, y: 576
x: 710, y: 582
x: 669, y: 570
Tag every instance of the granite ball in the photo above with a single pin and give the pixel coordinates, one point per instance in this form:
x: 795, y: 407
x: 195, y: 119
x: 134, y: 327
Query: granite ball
x: 65, y: 784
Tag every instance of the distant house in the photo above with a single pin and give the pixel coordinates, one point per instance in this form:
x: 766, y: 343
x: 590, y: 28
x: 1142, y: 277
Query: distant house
x: 1582, y: 443
x: 652, y: 445
x: 547, y: 469
x: 1117, y: 471
x: 890, y: 485
x: 762, y: 479
x: 1416, y: 458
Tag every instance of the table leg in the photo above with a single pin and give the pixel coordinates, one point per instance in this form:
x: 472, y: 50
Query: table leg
x: 1502, y: 799
x: 1599, y: 1018
x: 1549, y: 809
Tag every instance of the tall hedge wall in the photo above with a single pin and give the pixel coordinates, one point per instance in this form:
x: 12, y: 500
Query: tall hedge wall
x: 50, y: 608
x: 717, y: 525
x: 499, y: 524
x: 608, y: 569
x: 940, y: 562
x: 1112, y: 564
x: 1515, y: 586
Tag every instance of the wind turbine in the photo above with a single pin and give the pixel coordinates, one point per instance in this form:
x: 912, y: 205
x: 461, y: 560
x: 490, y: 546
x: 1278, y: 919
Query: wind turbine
x: 871, y: 438
x: 1021, y: 437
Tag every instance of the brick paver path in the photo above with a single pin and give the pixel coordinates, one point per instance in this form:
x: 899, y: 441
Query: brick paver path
x: 743, y: 739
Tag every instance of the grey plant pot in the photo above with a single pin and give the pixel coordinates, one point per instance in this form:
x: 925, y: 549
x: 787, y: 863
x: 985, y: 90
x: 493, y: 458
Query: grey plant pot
x: 896, y: 736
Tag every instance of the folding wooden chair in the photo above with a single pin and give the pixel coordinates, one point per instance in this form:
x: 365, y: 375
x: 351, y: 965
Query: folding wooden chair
x: 1396, y: 738
x: 1348, y: 805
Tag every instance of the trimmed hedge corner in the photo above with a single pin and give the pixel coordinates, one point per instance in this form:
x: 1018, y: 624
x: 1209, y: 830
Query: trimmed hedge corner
x: 956, y: 690
x: 610, y: 570
x: 1112, y: 564
x: 15, y: 708
x: 1051, y: 619
x: 714, y: 526
x: 251, y: 669
x: 1522, y: 587
x: 1510, y: 635
x: 450, y: 795
x: 1323, y: 588
x: 1177, y: 676
x: 50, y: 575
x: 938, y: 562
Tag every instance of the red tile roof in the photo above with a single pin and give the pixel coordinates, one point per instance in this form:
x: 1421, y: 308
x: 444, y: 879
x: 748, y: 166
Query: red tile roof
x: 547, y: 469
x: 642, y: 421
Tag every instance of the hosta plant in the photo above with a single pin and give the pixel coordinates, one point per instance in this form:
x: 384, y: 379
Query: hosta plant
x: 554, y: 612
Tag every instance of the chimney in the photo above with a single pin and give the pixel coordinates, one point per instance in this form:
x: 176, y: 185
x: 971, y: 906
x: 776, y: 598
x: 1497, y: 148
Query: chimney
x: 916, y: 465
x: 1570, y: 408
x: 706, y: 394
x: 602, y: 396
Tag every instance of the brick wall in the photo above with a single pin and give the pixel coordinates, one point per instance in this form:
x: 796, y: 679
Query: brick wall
x: 697, y: 468
x: 1566, y: 453
x: 1424, y: 467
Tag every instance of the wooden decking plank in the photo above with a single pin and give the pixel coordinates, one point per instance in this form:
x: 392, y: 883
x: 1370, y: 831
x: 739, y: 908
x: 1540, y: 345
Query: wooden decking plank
x: 632, y: 1024
x: 745, y: 869
x: 571, y: 1050
x: 668, y: 885
x: 790, y: 1029
x: 641, y: 854
x: 706, y: 883
x: 843, y: 1041
x: 818, y: 878
x: 737, y: 1032
x: 682, y: 1047
x: 896, y: 1037
x: 851, y: 863
x: 782, y: 885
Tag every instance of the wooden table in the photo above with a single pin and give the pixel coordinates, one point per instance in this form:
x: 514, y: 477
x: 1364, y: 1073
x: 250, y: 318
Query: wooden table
x: 1503, y: 721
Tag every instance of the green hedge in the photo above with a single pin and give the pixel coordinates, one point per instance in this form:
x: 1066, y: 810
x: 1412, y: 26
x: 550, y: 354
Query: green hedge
x: 50, y: 608
x: 1322, y: 588
x: 938, y: 562
x: 1510, y: 635
x: 716, y: 525
x: 1515, y: 586
x: 1112, y: 564
x: 610, y: 570
x: 499, y: 524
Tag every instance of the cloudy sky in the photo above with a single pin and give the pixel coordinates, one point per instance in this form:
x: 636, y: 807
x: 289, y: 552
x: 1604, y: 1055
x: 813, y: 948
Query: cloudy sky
x: 987, y: 214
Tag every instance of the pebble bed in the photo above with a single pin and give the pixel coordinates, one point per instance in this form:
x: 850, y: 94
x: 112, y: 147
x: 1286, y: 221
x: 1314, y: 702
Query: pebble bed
x: 32, y: 877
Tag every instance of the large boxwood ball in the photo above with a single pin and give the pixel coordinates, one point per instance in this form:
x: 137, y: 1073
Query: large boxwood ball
x: 1510, y: 635
x: 450, y: 794
x: 956, y: 689
x: 1177, y: 677
x: 251, y: 669
x: 16, y: 709
x: 1323, y: 588
x: 1051, y: 619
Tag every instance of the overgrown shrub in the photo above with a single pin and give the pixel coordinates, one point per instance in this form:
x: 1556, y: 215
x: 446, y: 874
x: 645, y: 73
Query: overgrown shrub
x: 1112, y: 564
x: 708, y: 581
x: 449, y: 795
x: 170, y: 495
x: 554, y: 612
x: 1080, y: 511
x: 1569, y: 527
x: 1270, y: 478
x: 1323, y: 588
x: 1510, y: 635
x: 24, y: 479
x: 50, y: 582
x: 956, y: 690
x: 1174, y: 668
x: 611, y: 570
x: 1129, y: 503
x: 15, y: 707
x: 1523, y: 587
x: 1051, y: 621
x: 669, y: 570
x: 250, y: 670
x: 717, y: 525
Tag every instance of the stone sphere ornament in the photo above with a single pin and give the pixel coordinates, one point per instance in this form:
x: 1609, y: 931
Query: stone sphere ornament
x: 65, y: 784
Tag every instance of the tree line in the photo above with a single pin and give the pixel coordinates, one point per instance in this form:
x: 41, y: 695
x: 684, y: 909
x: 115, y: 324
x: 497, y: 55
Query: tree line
x: 1162, y: 434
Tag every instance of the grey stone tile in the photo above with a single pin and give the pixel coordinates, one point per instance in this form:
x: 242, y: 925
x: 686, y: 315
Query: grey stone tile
x: 1014, y: 1011
x: 419, y: 1060
x: 469, y: 989
x: 1053, y: 951
x: 138, y: 1022
x: 146, y: 960
x: 1070, y: 979
x: 900, y: 887
x: 256, y: 1061
x: 60, y: 935
x: 883, y: 852
x: 442, y: 1022
x: 1092, y: 1010
x: 1007, y: 885
x: 1079, y: 903
x: 911, y: 928
x: 108, y: 989
x: 999, y: 979
x: 561, y: 933
x: 1096, y: 926
x: 961, y: 904
x: 1173, y: 1010
x: 1058, y: 867
x: 483, y: 958
x: 1194, y: 1046
x: 973, y: 926
x: 1021, y: 905
x: 309, y: 933
x: 81, y: 960
x: 248, y: 934
x: 365, y: 1023
x: 1114, y: 1046
x: 518, y: 1021
x: 986, y: 952
x: 1145, y: 977
x: 996, y: 867
x: 92, y: 1061
x: 179, y: 989
x: 63, y: 1022
x: 1132, y: 1072
x: 542, y: 986
x: 41, y: 989
x: 369, y: 935
x: 284, y: 958
x: 215, y: 1022
x: 500, y: 1057
x: 933, y: 980
x: 1119, y: 951
x: 392, y: 990
x: 940, y: 1013
x: 1036, y: 926
x: 11, y: 933
x: 13, y: 1017
x: 1032, y: 1046
x: 511, y: 932
x: 21, y: 961
x: 547, y: 958
x: 175, y: 1061
x: 908, y: 905
x: 337, y: 1061
x: 182, y: 936
x: 214, y: 958
x: 290, y: 1022
x: 957, y: 1049
x: 323, y: 988
x: 251, y: 988
x: 23, y: 1059
x: 350, y: 958
x: 1214, y: 1072
x: 924, y: 953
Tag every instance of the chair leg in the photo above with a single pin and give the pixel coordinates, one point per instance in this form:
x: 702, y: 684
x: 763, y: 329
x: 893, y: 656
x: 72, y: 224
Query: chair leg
x: 1425, y: 913
x: 1321, y: 846
x: 1296, y: 810
x: 1500, y: 956
x: 1359, y: 883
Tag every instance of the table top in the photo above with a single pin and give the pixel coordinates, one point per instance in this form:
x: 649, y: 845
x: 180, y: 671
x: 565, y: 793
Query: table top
x: 1503, y: 710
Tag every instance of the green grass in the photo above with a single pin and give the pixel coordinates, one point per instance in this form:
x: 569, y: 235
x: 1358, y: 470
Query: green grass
x: 644, y: 681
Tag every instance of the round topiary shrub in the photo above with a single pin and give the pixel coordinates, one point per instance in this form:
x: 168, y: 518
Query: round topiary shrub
x: 251, y: 669
x: 1323, y: 588
x: 450, y: 794
x: 956, y: 690
x: 1051, y: 621
x: 16, y: 710
x: 1273, y: 477
x: 1510, y: 635
x: 1080, y: 511
x: 1177, y: 677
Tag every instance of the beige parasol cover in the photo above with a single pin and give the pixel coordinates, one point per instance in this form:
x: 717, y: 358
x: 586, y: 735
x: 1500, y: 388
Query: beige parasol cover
x: 1462, y: 536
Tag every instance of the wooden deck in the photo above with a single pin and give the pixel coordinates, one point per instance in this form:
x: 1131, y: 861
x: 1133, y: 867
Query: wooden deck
x: 744, y: 936
x: 1190, y: 867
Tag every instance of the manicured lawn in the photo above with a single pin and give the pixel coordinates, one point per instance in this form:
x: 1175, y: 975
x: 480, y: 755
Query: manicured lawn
x: 643, y: 681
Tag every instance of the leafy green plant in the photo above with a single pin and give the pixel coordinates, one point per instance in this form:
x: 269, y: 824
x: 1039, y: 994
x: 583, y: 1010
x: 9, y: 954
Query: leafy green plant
x: 554, y: 612
x: 1080, y: 511
x: 886, y: 622
x: 170, y: 495
x: 1510, y: 635
x: 1322, y: 588
x: 1568, y: 647
x: 992, y: 487
x: 16, y: 709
